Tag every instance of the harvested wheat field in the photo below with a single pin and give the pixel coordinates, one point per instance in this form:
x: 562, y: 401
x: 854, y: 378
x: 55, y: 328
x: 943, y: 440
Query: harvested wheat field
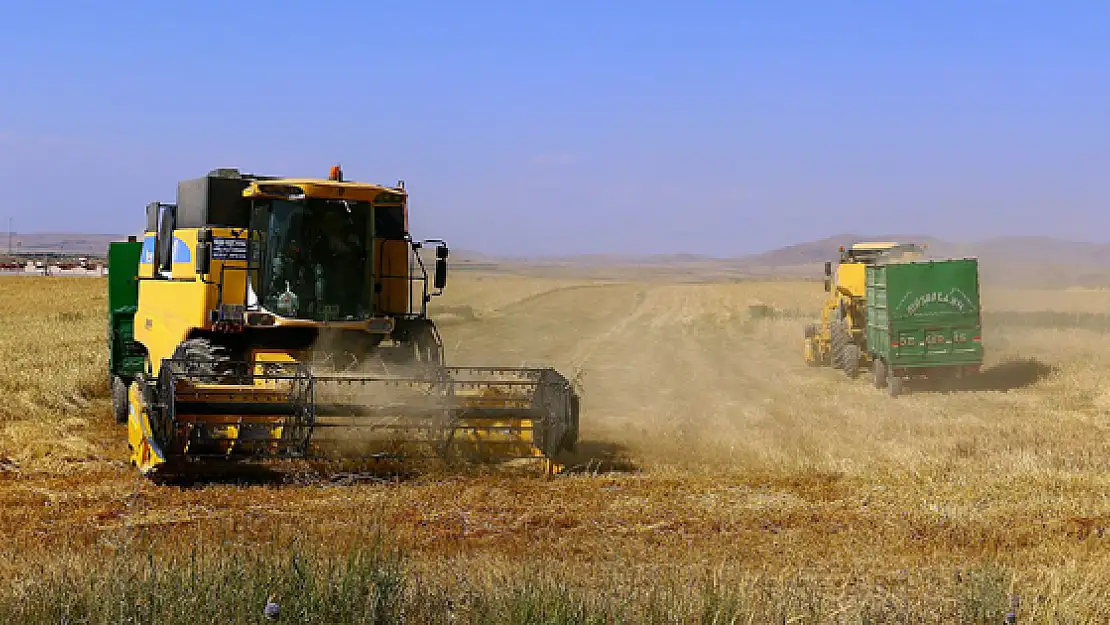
x: 719, y: 479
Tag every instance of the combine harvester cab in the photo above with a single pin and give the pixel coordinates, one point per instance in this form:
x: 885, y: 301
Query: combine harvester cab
x: 264, y: 318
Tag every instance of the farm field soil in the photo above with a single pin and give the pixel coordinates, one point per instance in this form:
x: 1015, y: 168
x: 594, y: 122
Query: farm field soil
x: 712, y: 458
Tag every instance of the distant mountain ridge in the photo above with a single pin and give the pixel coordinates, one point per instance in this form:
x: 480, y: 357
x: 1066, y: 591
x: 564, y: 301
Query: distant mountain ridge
x: 1022, y: 250
x: 1019, y: 249
x: 1036, y: 261
x: 1012, y: 258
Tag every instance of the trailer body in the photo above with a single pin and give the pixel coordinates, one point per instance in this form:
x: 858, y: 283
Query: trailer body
x: 924, y: 318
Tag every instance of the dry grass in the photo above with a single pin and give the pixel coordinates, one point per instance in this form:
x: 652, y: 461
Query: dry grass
x: 763, y: 490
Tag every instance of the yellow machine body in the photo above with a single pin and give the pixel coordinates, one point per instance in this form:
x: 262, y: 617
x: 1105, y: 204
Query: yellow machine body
x: 838, y: 338
x: 228, y: 376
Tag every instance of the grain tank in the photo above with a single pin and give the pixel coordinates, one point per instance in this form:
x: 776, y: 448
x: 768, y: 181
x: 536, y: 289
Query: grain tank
x: 923, y: 320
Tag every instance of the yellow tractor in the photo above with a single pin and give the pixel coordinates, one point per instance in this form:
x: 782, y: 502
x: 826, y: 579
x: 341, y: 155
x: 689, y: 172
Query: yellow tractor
x: 839, y: 339
x: 264, y: 317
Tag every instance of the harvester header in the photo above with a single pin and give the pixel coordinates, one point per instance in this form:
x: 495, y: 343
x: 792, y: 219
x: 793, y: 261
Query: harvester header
x: 266, y: 317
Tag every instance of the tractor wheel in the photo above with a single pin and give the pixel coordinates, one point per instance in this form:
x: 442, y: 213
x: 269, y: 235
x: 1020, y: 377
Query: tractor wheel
x: 851, y: 360
x: 119, y: 399
x: 878, y: 373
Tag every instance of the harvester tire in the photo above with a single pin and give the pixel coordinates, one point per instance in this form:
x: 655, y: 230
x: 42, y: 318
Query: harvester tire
x: 878, y: 373
x: 119, y: 399
x: 809, y: 351
x: 809, y: 345
x: 839, y: 339
x: 428, y: 346
x: 421, y: 343
x: 850, y: 355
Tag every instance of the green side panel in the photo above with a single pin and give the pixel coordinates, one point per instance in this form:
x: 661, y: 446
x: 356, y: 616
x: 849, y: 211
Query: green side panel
x: 925, y: 313
x: 123, y: 273
x: 125, y: 358
x: 877, y: 331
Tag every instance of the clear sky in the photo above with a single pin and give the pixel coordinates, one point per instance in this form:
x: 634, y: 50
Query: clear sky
x: 568, y: 127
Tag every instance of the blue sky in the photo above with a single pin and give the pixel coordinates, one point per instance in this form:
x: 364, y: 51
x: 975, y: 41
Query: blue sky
x: 568, y: 127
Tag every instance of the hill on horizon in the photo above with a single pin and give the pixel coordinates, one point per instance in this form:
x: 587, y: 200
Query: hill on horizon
x: 1031, y: 259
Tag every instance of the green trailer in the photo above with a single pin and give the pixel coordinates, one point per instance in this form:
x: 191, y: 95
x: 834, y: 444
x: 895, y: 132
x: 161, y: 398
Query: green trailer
x: 126, y: 358
x: 923, y: 320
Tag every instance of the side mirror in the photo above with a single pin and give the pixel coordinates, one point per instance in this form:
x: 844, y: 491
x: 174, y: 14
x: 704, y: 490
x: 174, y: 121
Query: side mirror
x: 441, y: 273
x: 441, y: 267
x: 828, y: 268
x: 204, y: 258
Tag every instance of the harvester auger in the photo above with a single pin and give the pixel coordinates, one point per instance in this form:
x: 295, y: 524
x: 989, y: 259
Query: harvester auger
x: 264, y: 318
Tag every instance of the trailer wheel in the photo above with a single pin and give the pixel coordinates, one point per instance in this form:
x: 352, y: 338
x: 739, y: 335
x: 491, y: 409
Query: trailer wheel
x: 850, y: 356
x: 878, y: 373
x: 894, y: 385
x: 119, y: 399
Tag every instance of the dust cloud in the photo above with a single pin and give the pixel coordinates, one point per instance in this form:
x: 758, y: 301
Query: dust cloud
x: 700, y: 377
x: 372, y: 411
x: 387, y: 410
x: 710, y: 376
x: 669, y: 374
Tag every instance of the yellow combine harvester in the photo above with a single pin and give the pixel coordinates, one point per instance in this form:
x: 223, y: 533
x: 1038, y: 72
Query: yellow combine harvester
x: 264, y: 317
x: 837, y: 338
